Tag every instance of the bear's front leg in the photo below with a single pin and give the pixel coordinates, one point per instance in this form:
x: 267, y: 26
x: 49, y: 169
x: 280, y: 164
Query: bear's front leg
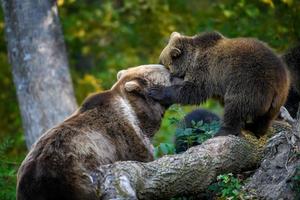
x: 232, y: 120
x: 184, y: 93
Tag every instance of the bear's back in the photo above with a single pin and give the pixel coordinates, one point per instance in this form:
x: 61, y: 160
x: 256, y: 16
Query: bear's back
x: 246, y: 58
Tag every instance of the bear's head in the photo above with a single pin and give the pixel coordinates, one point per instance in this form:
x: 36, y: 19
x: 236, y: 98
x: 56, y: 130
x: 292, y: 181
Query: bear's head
x: 182, y: 53
x: 132, y: 86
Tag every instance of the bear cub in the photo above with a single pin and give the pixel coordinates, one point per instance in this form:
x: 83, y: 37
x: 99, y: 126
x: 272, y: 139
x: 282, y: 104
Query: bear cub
x: 244, y: 74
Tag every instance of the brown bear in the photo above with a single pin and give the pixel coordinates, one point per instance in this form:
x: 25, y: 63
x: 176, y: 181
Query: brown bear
x: 111, y: 126
x: 243, y: 73
x: 292, y: 59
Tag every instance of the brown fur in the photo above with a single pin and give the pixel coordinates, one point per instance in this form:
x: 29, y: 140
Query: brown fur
x: 102, y: 131
x: 243, y: 73
x: 292, y: 59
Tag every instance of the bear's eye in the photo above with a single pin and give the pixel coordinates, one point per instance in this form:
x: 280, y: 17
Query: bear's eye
x: 175, y: 52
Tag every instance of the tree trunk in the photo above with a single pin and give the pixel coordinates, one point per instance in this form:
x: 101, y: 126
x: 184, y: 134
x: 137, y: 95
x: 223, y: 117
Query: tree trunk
x: 37, y: 54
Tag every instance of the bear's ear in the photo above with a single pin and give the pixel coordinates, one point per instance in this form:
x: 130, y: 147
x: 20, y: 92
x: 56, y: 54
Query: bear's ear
x: 175, y: 52
x: 175, y: 34
x: 119, y: 74
x: 132, y: 86
x: 207, y: 39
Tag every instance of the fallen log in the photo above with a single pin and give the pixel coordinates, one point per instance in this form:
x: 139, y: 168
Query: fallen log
x: 182, y: 174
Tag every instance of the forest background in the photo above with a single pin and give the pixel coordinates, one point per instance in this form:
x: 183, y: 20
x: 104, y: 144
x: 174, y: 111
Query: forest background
x: 103, y: 37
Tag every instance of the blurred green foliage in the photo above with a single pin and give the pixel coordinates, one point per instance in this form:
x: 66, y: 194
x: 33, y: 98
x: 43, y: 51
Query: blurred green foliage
x: 105, y: 36
x: 9, y: 163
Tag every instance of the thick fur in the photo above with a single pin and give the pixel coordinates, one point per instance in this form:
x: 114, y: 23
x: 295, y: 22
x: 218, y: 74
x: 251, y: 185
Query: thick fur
x: 196, y: 116
x: 243, y: 73
x: 111, y: 126
x: 292, y: 59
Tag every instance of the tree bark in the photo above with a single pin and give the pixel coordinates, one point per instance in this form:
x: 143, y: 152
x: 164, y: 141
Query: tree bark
x: 37, y: 54
x: 275, y: 178
x: 183, y: 174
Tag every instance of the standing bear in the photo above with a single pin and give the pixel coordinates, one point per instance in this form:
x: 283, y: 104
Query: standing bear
x: 244, y: 74
x: 110, y: 126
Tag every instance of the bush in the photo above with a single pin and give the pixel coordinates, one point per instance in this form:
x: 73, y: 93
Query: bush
x: 227, y: 187
x: 196, y: 135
